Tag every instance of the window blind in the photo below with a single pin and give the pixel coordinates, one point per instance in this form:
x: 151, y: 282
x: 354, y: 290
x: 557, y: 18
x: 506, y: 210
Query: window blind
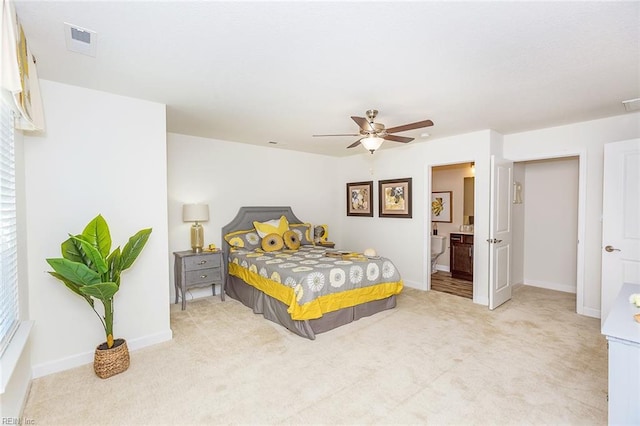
x: 8, y: 237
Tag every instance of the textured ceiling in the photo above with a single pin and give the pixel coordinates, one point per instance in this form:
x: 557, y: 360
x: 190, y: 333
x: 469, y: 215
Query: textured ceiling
x: 255, y: 72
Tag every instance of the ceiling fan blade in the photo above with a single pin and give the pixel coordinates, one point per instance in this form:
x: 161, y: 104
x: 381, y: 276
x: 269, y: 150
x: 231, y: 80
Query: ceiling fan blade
x: 353, y: 145
x: 340, y: 134
x: 362, y: 123
x: 397, y: 138
x: 419, y: 124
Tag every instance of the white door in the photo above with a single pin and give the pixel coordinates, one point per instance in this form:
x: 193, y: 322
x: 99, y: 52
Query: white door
x: 620, y: 219
x: 500, y: 232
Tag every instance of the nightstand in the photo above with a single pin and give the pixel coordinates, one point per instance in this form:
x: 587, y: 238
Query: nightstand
x: 198, y: 270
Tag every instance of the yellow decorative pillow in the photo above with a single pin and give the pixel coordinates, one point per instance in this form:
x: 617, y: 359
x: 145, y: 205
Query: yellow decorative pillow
x: 275, y: 226
x: 243, y: 239
x: 272, y: 242
x: 320, y: 233
x: 304, y: 231
x: 291, y: 240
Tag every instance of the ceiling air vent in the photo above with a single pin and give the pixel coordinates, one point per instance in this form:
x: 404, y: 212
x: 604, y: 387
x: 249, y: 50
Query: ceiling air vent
x: 80, y: 40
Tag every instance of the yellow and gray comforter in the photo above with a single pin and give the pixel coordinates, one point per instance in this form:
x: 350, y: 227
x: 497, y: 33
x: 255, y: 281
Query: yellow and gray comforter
x: 313, y: 281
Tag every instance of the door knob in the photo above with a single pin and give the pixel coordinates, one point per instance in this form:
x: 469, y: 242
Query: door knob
x: 609, y: 249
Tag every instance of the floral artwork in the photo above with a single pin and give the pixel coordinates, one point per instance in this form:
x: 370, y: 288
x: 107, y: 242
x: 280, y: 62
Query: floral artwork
x: 359, y: 196
x: 395, y: 198
x: 441, y: 206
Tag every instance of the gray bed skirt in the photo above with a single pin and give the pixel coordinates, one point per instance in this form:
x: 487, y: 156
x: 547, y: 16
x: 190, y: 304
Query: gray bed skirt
x: 276, y: 311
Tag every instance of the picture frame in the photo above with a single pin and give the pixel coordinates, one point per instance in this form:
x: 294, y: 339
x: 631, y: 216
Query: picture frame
x: 360, y: 198
x: 394, y: 198
x: 441, y: 207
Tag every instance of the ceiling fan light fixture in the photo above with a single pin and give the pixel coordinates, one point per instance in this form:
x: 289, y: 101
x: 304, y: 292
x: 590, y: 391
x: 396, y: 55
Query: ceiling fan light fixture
x: 371, y: 143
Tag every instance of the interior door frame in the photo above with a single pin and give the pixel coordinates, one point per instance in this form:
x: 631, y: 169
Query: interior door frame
x: 582, y: 208
x: 427, y: 214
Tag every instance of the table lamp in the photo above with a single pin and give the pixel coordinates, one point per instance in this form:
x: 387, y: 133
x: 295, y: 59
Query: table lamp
x: 196, y: 213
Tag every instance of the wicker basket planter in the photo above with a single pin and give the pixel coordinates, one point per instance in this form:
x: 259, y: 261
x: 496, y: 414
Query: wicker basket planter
x: 109, y: 362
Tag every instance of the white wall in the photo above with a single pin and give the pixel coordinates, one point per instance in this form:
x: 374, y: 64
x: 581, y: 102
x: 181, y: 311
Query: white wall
x: 586, y: 138
x: 405, y: 241
x: 229, y: 175
x: 101, y: 153
x: 551, y: 223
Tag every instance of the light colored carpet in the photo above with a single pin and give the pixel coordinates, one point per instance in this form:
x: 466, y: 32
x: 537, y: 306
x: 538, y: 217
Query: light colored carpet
x: 435, y: 359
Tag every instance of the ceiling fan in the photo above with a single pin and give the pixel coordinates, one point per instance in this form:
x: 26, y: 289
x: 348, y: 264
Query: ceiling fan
x: 373, y: 134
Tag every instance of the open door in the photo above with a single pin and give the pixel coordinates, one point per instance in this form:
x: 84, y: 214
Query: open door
x: 620, y: 225
x: 500, y: 232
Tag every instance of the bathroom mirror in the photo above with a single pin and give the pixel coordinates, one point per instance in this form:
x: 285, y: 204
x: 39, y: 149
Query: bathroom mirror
x: 468, y: 202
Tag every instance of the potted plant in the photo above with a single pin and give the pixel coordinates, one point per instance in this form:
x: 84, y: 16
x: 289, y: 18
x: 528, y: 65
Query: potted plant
x: 91, y: 270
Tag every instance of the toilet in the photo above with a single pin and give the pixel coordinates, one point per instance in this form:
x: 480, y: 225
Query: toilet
x: 438, y: 246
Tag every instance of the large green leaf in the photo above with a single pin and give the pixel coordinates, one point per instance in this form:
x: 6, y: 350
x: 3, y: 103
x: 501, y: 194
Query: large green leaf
x: 101, y: 291
x: 97, y: 233
x: 73, y: 287
x: 114, y: 266
x: 78, y: 273
x: 133, y: 248
x: 98, y: 262
x: 72, y: 250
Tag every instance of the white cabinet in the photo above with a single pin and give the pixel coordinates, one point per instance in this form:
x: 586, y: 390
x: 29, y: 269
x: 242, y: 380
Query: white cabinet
x: 623, y: 336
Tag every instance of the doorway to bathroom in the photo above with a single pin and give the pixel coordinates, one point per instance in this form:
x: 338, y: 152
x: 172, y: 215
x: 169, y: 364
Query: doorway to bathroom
x: 452, y: 225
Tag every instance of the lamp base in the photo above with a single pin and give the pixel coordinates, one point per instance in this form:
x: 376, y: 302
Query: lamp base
x: 197, y: 237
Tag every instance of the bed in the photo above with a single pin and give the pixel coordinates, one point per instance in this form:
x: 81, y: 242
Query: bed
x: 310, y: 289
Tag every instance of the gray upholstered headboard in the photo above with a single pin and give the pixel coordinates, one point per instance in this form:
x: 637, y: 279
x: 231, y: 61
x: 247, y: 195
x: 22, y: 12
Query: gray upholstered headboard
x: 247, y: 215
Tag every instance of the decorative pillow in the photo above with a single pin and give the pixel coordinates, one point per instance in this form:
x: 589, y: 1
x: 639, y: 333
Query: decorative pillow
x: 320, y: 233
x: 272, y: 242
x: 274, y: 226
x: 243, y: 239
x: 304, y: 231
x: 291, y: 240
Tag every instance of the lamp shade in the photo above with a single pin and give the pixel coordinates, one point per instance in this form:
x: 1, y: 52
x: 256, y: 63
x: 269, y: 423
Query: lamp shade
x: 371, y: 143
x: 195, y: 212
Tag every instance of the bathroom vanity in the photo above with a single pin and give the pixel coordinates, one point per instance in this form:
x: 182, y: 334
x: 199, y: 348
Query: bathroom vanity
x: 461, y: 255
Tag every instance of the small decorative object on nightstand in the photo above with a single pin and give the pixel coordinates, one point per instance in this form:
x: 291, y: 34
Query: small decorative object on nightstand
x: 198, y: 270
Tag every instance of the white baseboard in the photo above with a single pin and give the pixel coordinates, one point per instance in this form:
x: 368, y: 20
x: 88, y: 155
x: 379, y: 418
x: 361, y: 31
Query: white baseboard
x: 590, y: 312
x: 551, y: 286
x: 73, y: 361
x: 413, y: 284
x: 443, y: 268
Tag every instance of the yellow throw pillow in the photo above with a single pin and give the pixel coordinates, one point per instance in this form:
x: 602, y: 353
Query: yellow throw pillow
x: 304, y: 231
x: 247, y: 239
x: 272, y: 242
x: 275, y: 226
x: 291, y: 240
x: 320, y: 233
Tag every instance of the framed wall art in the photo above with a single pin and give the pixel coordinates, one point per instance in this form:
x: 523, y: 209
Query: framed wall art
x: 394, y: 198
x: 441, y: 210
x: 359, y: 198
